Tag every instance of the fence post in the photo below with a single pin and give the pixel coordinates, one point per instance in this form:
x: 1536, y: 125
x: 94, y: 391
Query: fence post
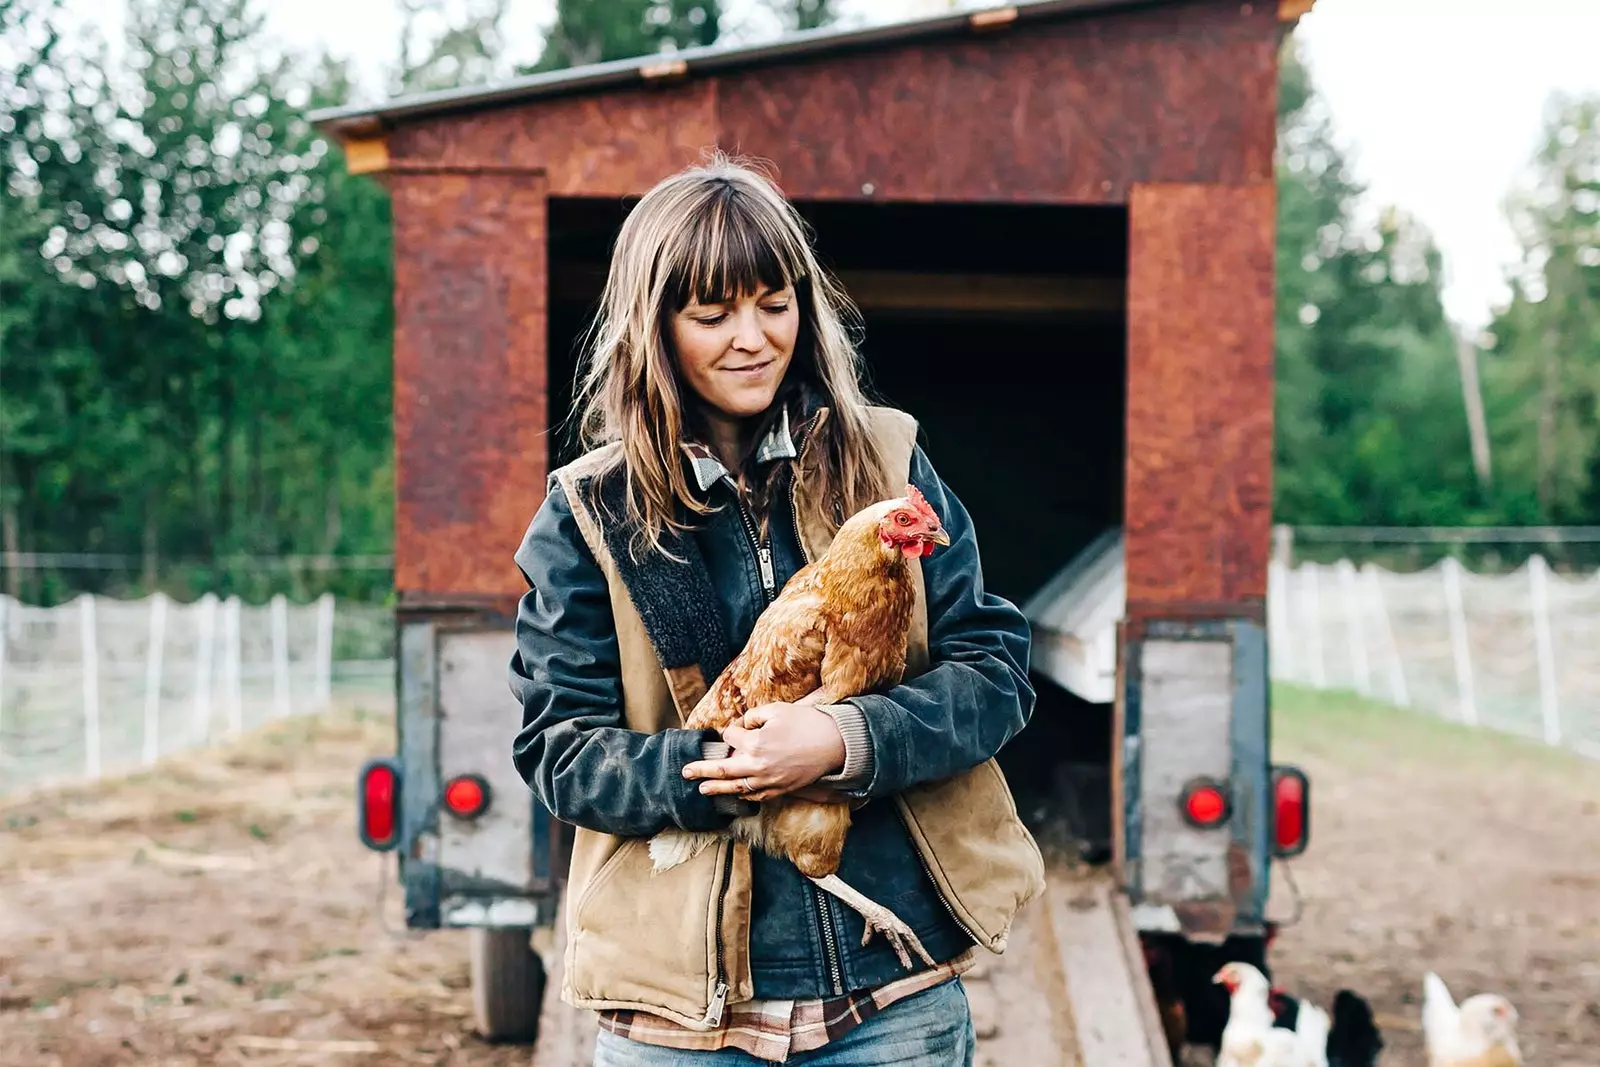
x: 1378, y: 610
x: 1313, y: 584
x: 232, y: 654
x: 1354, y: 634
x: 205, y: 659
x: 1544, y: 646
x: 280, y: 656
x: 91, y: 689
x: 152, y: 677
x: 324, y: 693
x: 1465, y: 691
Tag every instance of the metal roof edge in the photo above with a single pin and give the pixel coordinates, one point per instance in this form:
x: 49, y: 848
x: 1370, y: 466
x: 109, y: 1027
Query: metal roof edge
x: 367, y: 120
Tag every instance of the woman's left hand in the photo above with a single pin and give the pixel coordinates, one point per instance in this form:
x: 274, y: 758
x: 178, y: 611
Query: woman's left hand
x: 777, y: 749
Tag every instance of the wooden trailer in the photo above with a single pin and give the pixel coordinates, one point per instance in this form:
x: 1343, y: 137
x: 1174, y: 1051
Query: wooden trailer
x: 1058, y: 220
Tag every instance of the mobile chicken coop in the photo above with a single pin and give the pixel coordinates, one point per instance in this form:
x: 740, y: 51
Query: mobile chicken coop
x: 1058, y: 221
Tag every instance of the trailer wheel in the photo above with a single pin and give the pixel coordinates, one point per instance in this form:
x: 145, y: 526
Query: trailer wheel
x: 507, y: 984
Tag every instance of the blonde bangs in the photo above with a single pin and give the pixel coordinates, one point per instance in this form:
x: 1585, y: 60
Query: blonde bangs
x: 710, y: 234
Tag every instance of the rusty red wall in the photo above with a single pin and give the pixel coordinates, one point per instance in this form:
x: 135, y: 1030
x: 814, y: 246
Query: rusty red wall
x: 1074, y: 111
x: 469, y: 366
x: 1200, y: 381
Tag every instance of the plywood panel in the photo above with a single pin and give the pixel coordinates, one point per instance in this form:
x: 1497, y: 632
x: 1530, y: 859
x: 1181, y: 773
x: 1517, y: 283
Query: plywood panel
x: 1200, y: 388
x: 469, y: 366
x: 477, y: 717
x: 1186, y: 714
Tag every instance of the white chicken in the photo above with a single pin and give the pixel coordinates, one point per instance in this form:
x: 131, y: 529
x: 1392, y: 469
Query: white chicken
x: 1481, y: 1032
x: 1251, y: 1040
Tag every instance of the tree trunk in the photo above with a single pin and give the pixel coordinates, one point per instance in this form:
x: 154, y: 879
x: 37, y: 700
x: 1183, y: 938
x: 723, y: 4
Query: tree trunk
x: 332, y: 518
x: 225, y: 449
x: 256, y: 492
x: 151, y: 539
x: 1477, y: 424
x: 1549, y: 397
x: 11, y: 537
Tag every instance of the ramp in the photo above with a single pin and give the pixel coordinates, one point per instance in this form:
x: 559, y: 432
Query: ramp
x: 1074, y: 619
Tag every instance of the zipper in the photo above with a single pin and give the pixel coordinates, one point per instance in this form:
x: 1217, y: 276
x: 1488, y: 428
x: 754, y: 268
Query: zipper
x: 830, y: 943
x: 763, y: 550
x: 769, y: 586
x: 719, y: 995
x: 830, y: 946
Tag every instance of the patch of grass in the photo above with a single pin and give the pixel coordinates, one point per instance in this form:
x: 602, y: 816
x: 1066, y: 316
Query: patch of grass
x: 1369, y: 734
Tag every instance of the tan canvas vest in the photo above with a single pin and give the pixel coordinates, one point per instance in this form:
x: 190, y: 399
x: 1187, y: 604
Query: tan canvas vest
x: 664, y: 943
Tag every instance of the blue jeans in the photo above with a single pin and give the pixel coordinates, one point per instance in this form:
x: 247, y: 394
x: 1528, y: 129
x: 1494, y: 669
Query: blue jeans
x: 929, y: 1029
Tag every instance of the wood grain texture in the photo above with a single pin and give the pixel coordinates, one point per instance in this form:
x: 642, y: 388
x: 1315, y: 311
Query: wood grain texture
x: 469, y: 365
x: 1072, y: 111
x: 1200, y: 387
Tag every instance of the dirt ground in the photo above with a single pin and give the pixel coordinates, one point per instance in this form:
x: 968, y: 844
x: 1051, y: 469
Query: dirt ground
x: 220, y: 910
x: 1438, y: 848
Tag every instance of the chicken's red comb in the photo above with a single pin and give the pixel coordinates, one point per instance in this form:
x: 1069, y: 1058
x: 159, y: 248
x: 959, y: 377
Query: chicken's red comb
x: 920, y: 502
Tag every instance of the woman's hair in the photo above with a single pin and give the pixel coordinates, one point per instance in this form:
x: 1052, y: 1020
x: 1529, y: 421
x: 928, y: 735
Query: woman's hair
x: 709, y: 234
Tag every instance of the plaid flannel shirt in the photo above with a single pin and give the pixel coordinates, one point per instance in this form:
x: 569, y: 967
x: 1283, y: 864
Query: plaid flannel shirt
x: 774, y: 1030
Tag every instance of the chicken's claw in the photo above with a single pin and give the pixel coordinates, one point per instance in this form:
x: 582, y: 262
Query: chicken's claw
x: 879, y: 919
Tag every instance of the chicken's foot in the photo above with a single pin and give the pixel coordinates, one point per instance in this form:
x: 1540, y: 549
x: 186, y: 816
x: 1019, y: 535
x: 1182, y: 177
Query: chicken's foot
x: 879, y: 918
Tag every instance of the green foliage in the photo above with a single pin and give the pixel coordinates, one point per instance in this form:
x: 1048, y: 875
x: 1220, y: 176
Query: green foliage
x: 196, y: 303
x: 194, y: 340
x: 1544, y: 368
x: 1371, y: 427
x: 589, y: 32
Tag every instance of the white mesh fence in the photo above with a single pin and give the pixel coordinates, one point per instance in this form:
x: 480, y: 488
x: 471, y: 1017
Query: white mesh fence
x: 97, y: 685
x: 1518, y: 652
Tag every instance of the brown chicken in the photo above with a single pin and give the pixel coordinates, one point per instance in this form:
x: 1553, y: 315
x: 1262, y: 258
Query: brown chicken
x: 838, y: 629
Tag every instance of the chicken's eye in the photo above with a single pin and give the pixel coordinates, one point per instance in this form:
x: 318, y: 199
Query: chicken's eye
x: 903, y: 519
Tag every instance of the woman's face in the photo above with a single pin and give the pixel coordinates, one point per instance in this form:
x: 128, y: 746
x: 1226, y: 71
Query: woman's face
x: 734, y: 355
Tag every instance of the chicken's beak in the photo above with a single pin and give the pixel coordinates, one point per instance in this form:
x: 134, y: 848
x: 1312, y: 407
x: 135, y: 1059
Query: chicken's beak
x: 939, y: 537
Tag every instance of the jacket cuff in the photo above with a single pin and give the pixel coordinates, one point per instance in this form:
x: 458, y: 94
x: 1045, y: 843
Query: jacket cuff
x: 725, y: 804
x: 858, y: 759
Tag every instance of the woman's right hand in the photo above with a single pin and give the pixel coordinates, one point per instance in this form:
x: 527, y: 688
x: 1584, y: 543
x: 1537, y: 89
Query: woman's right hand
x: 778, y: 750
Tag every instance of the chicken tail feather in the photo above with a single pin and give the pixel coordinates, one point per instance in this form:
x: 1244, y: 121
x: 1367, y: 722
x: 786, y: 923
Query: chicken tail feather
x: 669, y: 848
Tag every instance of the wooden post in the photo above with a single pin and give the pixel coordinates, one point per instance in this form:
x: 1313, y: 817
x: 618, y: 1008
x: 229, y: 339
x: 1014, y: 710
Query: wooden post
x: 1355, y: 633
x: 204, y: 662
x: 91, y: 688
x: 280, y: 656
x: 1544, y: 646
x: 1378, y: 611
x: 324, y: 687
x: 152, y: 677
x: 1466, y: 695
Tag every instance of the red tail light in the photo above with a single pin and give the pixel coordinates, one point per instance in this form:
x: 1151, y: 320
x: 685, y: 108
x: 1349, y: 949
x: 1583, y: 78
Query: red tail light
x: 467, y: 796
x: 1291, y: 811
x: 379, y: 817
x: 1205, y: 803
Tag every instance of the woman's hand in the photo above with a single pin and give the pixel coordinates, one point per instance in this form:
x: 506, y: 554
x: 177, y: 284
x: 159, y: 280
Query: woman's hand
x: 778, y: 749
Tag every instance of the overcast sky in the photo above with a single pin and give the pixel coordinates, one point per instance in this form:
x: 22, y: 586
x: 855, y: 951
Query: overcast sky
x: 1440, y: 101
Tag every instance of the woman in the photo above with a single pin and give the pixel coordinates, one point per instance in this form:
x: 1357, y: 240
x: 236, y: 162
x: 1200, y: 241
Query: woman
x: 730, y: 439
